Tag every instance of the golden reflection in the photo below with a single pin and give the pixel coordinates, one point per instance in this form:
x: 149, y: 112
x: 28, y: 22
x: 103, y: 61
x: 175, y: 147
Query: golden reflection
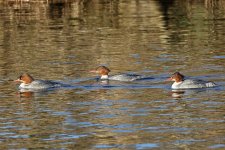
x: 121, y: 29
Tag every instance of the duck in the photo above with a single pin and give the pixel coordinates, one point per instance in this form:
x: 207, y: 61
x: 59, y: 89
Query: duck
x: 104, y: 71
x: 181, y: 83
x: 28, y: 82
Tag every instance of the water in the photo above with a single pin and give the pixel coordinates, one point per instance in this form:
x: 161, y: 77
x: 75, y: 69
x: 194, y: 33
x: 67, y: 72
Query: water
x: 63, y: 41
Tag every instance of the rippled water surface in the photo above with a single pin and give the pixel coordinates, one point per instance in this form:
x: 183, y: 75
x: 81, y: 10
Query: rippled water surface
x: 62, y: 41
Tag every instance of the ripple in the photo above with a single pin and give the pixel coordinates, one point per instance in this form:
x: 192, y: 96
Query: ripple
x: 217, y: 146
x: 106, y: 116
x: 105, y: 146
x: 19, y: 136
x: 146, y: 146
x: 188, y: 141
x: 65, y: 136
x: 138, y: 114
x: 219, y: 57
x: 122, y: 131
x: 6, y: 133
x: 167, y: 129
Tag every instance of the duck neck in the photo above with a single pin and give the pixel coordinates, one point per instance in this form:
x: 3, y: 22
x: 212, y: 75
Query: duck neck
x: 104, y: 77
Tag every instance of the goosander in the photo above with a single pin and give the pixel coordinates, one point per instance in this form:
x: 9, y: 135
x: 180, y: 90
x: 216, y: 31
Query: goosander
x: 103, y: 71
x: 28, y: 82
x: 181, y: 83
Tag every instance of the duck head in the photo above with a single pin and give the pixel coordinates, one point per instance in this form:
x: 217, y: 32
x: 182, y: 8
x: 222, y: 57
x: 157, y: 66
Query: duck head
x: 25, y: 78
x: 101, y: 70
x: 177, y: 77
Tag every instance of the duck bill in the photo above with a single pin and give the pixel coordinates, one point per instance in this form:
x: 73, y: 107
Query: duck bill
x: 18, y: 81
x: 93, y: 71
x: 169, y: 79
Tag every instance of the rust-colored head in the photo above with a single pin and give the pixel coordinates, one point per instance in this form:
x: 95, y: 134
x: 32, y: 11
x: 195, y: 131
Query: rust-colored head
x: 177, y: 77
x: 102, y: 70
x: 25, y: 78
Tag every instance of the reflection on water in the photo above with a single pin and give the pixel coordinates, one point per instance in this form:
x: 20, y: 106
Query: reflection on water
x: 63, y: 40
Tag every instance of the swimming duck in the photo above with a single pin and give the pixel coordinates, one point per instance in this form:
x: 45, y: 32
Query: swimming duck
x: 181, y: 83
x: 103, y: 71
x: 28, y: 82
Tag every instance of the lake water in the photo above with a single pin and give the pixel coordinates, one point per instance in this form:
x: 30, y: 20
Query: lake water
x: 63, y: 41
